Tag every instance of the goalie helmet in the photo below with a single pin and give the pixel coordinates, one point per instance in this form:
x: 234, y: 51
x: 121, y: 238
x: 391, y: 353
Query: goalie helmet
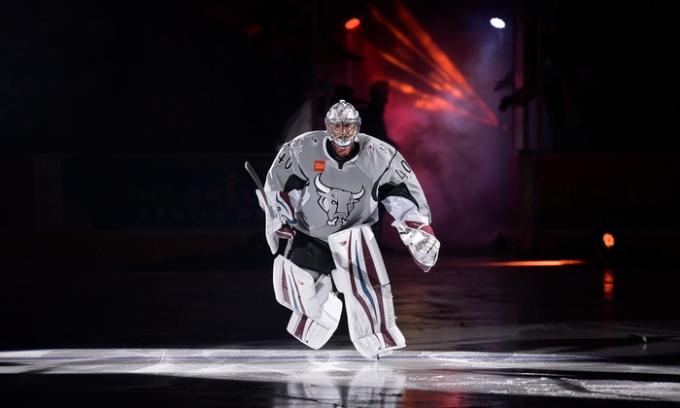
x: 342, y: 123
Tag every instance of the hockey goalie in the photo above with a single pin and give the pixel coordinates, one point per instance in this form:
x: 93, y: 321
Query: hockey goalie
x: 321, y: 196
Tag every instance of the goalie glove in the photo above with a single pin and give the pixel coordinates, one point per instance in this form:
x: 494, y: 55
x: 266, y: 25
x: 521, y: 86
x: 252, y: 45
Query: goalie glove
x: 420, y: 241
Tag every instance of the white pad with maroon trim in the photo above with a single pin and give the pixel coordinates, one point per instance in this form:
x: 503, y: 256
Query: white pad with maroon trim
x: 316, y: 311
x: 296, y: 288
x: 362, y: 278
x: 316, y: 332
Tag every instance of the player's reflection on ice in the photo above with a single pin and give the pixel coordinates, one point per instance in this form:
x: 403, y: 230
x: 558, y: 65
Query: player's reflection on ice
x: 342, y: 377
x: 371, y: 385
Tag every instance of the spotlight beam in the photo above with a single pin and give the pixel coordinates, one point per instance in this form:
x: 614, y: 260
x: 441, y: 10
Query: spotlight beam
x: 444, y: 76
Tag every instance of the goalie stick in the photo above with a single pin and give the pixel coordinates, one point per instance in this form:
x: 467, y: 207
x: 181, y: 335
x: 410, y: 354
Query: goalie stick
x: 253, y: 174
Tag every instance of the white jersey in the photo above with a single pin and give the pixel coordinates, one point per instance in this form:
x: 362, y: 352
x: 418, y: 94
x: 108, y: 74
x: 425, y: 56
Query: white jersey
x: 329, y: 194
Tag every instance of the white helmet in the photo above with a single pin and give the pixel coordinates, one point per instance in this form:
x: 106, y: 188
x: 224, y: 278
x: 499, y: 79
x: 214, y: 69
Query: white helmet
x: 342, y: 123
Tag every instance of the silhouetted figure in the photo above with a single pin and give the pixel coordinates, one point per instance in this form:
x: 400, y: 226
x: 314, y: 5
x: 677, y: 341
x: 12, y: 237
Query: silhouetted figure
x: 373, y: 124
x: 372, y: 114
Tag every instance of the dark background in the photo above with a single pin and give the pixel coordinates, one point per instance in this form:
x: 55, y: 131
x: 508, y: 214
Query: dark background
x: 111, y: 111
x: 222, y: 76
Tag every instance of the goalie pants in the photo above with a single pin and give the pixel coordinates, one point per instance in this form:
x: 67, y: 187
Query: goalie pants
x: 314, y: 254
x: 311, y: 253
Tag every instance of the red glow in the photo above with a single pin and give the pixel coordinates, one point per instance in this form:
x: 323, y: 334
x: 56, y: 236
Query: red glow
x: 413, y: 397
x: 253, y: 29
x: 432, y: 102
x: 514, y: 263
x: 608, y: 284
x: 405, y: 88
x: 449, y: 89
x: 557, y: 262
x: 352, y: 24
x: 398, y: 63
x: 608, y: 240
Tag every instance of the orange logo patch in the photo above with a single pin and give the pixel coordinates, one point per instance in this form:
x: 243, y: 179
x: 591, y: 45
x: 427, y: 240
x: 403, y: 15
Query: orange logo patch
x: 319, y: 165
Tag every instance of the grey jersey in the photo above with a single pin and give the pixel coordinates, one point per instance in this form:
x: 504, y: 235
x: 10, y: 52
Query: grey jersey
x: 328, y: 197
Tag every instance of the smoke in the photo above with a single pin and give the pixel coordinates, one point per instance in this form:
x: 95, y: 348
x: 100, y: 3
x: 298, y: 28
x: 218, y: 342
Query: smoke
x: 462, y: 164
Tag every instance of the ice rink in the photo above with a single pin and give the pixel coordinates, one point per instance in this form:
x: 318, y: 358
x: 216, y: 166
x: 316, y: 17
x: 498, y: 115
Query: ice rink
x: 479, y: 333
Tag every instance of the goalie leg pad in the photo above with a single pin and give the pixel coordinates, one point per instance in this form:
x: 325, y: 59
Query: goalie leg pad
x: 361, y: 276
x: 300, y: 290
x: 315, y: 333
x: 316, y: 311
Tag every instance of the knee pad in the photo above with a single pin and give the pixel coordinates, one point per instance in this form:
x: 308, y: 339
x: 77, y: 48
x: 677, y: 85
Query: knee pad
x: 298, y: 289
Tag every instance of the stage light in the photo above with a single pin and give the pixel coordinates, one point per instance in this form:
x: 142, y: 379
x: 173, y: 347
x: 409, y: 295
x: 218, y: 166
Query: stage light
x: 608, y: 240
x: 352, y: 24
x: 497, y: 23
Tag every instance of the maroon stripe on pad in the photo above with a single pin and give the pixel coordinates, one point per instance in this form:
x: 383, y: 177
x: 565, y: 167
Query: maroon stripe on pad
x: 300, y: 329
x: 362, y: 302
x: 285, y: 286
x: 373, y: 277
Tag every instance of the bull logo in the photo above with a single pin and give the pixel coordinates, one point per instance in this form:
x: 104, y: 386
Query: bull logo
x: 336, y: 203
